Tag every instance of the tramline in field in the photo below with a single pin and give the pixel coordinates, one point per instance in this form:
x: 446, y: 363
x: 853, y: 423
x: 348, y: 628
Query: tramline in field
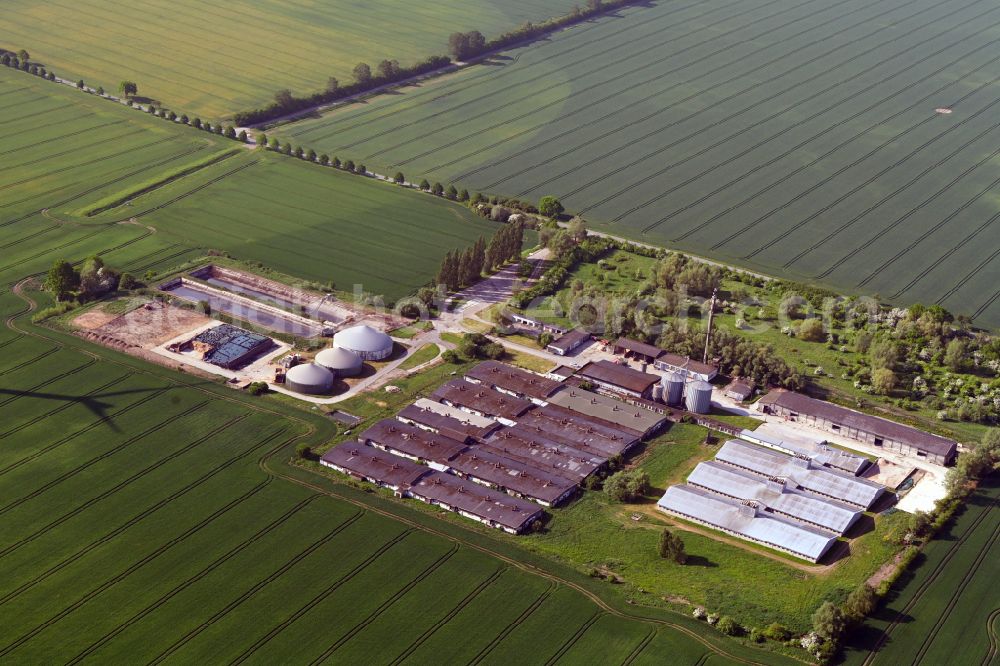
x: 804, y: 139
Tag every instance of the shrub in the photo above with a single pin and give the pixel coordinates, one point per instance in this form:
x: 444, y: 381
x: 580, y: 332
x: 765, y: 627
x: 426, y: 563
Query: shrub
x: 627, y: 485
x: 811, y: 330
x: 259, y: 388
x: 550, y: 206
x: 729, y: 626
x: 777, y: 632
x: 127, y: 281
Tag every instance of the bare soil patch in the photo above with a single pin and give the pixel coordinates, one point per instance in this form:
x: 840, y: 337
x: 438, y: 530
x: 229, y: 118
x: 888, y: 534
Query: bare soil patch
x: 149, y: 325
x: 94, y: 319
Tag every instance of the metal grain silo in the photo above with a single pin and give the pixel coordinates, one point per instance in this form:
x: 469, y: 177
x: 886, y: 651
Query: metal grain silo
x: 673, y: 388
x: 698, y: 397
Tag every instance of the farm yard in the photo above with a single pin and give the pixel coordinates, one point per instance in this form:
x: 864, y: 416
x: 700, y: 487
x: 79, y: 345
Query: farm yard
x: 213, y: 61
x: 951, y: 594
x: 848, y: 143
x: 69, y: 155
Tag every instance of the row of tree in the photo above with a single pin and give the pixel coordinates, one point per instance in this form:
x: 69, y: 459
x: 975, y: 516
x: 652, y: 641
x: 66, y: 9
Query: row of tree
x: 227, y: 131
x: 387, y: 71
x: 470, y: 44
x: 22, y: 61
x: 461, y: 268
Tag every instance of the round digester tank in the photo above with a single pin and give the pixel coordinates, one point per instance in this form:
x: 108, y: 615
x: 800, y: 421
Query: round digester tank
x: 310, y: 379
x: 365, y: 341
x: 698, y: 397
x: 340, y: 361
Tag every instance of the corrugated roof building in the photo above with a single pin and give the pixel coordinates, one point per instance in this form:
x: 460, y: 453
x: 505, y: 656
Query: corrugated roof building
x: 774, y: 495
x: 514, y: 381
x: 823, y: 454
x: 447, y: 420
x: 482, y: 400
x: 469, y: 499
x: 544, y: 453
x: 375, y: 466
x: 746, y: 522
x: 414, y: 443
x: 619, y: 378
x: 592, y: 405
x: 856, y: 425
x: 511, y: 476
x: 800, y: 473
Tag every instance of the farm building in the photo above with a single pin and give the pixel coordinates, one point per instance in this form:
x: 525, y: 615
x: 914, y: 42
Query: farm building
x: 739, y: 389
x: 535, y: 324
x: 640, y: 351
x: 746, y: 521
x: 619, y: 379
x: 579, y: 430
x: 569, y: 342
x: 543, y: 453
x: 858, y: 426
x: 692, y: 369
x: 588, y: 406
x: 447, y: 420
x: 511, y: 514
x: 310, y: 379
x: 414, y: 443
x: 513, y: 381
x: 365, y: 341
x: 819, y: 452
x: 340, y: 361
x: 375, y: 466
x: 511, y: 476
x: 774, y: 496
x: 229, y: 346
x: 482, y: 400
x: 801, y: 472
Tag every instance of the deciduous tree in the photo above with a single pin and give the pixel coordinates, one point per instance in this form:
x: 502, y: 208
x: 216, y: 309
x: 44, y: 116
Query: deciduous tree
x: 362, y: 73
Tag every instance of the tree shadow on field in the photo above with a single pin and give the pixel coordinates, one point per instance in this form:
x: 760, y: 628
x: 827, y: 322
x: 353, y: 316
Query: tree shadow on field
x: 93, y: 403
x: 700, y: 561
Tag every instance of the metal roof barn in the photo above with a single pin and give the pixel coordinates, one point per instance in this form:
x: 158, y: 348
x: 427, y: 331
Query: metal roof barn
x: 779, y: 497
x: 746, y: 522
x: 801, y: 472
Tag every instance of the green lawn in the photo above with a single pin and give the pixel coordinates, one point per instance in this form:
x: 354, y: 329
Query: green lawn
x: 212, y: 61
x: 424, y: 354
x: 730, y: 579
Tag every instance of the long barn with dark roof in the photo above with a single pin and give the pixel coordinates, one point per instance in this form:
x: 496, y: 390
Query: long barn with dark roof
x: 858, y: 426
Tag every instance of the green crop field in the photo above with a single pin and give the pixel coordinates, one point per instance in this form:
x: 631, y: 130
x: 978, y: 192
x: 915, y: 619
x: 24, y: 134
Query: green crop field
x: 149, y: 516
x: 802, y: 138
x: 213, y: 60
x: 946, y: 612
x: 67, y: 155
